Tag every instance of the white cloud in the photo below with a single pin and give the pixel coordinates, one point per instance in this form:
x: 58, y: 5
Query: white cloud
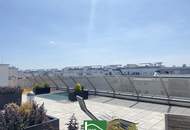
x: 52, y: 43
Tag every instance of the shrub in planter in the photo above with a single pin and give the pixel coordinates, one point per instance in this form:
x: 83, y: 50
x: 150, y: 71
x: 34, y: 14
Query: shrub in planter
x: 10, y: 118
x: 114, y: 125
x: 79, y: 90
x: 46, y: 85
x: 78, y: 87
x: 120, y: 124
x: 36, y: 86
x: 10, y: 95
x: 42, y: 88
x: 32, y: 114
x: 29, y: 116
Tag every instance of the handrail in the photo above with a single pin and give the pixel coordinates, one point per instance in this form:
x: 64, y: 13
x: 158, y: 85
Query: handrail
x: 135, y: 76
x: 153, y: 88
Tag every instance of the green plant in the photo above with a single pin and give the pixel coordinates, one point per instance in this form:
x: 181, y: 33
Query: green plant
x: 46, y: 85
x: 2, y: 121
x: 114, y: 125
x: 17, y: 118
x: 73, y: 124
x: 78, y: 87
x: 11, y: 118
x: 25, y: 111
x: 25, y: 108
x: 37, y: 114
x: 40, y: 85
x: 36, y: 86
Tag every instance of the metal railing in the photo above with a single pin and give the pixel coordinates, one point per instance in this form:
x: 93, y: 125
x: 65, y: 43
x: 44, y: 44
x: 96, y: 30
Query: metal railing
x: 166, y: 90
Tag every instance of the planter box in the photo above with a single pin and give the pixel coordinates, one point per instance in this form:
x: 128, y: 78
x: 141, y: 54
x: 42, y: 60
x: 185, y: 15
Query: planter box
x: 10, y: 98
x: 41, y: 91
x: 84, y: 94
x: 51, y: 124
x: 177, y: 122
x: 73, y: 95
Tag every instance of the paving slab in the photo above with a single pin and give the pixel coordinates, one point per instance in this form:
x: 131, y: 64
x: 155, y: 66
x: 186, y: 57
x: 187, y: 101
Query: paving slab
x: 148, y: 116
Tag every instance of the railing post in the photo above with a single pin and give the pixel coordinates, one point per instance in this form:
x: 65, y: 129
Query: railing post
x: 72, y: 78
x: 57, y: 86
x: 63, y: 81
x: 120, y: 78
x: 165, y: 90
x: 91, y: 84
x: 34, y: 77
x: 109, y: 85
x: 41, y: 78
x: 132, y: 84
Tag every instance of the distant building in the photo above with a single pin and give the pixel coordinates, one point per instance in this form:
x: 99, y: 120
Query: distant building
x: 143, y: 69
x: 12, y: 76
x: 4, y: 75
x: 9, y: 75
x: 174, y: 71
x: 140, y: 71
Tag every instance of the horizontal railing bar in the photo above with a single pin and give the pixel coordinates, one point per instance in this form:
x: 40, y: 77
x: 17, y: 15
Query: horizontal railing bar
x: 131, y: 76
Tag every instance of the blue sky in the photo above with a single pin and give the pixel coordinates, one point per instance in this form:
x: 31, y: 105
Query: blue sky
x: 58, y: 33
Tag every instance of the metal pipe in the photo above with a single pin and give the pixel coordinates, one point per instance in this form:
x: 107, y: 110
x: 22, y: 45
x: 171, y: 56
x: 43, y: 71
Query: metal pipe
x: 63, y: 81
x: 132, y: 84
x: 57, y: 86
x: 91, y: 84
x: 165, y: 90
x: 34, y: 77
x: 109, y: 85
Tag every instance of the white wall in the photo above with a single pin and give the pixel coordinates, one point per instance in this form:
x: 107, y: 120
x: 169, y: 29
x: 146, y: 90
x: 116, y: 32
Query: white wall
x: 4, y: 74
x: 13, y: 76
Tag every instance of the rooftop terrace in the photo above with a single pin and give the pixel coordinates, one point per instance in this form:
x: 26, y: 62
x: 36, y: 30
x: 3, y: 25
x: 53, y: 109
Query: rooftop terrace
x: 149, y: 116
x: 143, y: 100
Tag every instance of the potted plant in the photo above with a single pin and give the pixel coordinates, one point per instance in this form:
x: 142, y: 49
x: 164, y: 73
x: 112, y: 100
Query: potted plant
x: 42, y: 88
x: 79, y: 90
x: 29, y: 116
x: 120, y: 124
x: 73, y: 123
x: 114, y: 125
x: 10, y: 95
